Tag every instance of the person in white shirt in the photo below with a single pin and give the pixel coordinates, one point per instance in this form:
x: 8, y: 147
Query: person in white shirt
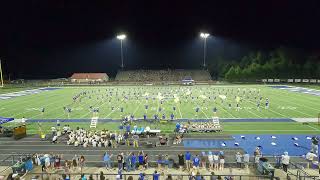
x: 246, y: 159
x: 310, y: 157
x: 285, y: 160
x: 23, y: 120
x: 238, y: 159
x: 76, y: 143
x: 54, y: 139
x: 94, y: 143
x: 85, y: 144
x: 216, y: 161
x: 210, y: 159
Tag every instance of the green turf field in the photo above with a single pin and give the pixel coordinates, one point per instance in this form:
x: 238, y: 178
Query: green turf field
x: 283, y: 104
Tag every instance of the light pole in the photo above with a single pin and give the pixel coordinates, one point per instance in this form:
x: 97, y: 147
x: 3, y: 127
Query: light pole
x: 121, y: 37
x: 204, y: 36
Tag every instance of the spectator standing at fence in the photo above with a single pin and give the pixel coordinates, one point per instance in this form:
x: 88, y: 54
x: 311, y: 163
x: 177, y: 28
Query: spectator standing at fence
x: 146, y: 160
x: 82, y: 163
x: 215, y: 161
x: 188, y: 160
x: 257, y: 155
x: 196, y: 162
x: 67, y: 167
x: 210, y: 159
x: 203, y: 160
x: 238, y: 160
x: 221, y: 160
x: 75, y: 162
x: 160, y: 161
x: 285, y: 160
x: 181, y: 161
x: 133, y: 161
x: 120, y: 161
x: 107, y: 160
x: 141, y: 160
x: 128, y: 161
x: 246, y: 159
x: 166, y: 160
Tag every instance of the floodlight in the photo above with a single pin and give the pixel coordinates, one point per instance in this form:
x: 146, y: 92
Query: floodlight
x: 121, y: 36
x: 204, y: 35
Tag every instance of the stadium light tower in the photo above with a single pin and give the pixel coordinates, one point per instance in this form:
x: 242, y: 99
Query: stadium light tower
x: 121, y: 37
x: 204, y: 36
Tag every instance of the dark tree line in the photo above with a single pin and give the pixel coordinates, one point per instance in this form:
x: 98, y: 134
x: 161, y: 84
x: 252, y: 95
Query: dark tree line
x: 281, y: 63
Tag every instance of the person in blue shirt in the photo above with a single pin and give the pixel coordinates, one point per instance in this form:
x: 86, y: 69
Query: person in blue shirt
x: 141, y: 160
x: 163, y: 116
x: 145, y: 117
x: 155, y: 175
x: 107, y: 160
x: 188, y: 160
x: 133, y: 161
x: 178, y: 126
x: 196, y: 162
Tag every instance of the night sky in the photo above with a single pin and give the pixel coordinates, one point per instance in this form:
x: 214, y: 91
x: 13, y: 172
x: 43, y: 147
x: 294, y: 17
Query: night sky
x: 54, y: 38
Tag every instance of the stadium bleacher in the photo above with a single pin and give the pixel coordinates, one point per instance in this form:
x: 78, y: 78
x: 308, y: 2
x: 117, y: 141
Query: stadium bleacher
x: 162, y: 75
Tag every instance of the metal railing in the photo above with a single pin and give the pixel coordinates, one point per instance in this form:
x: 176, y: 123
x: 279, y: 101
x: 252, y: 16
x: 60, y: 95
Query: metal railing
x: 42, y: 176
x: 300, y: 173
x: 11, y: 160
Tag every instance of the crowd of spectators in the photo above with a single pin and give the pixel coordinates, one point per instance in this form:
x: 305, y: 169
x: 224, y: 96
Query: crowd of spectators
x: 162, y: 75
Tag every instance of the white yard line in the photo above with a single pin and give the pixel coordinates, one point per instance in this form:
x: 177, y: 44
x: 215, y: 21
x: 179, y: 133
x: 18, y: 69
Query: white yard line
x: 314, y: 128
x: 178, y: 106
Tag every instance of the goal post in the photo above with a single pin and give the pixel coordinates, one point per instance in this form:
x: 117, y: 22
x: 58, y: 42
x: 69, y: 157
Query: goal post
x: 1, y: 76
x: 319, y: 121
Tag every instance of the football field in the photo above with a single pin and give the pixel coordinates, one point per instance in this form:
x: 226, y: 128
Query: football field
x: 166, y: 102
